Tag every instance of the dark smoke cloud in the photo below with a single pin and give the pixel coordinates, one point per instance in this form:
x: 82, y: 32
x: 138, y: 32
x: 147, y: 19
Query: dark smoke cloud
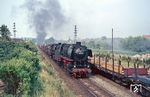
x: 44, y: 17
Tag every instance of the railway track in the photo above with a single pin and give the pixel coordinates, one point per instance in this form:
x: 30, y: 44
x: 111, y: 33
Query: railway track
x: 113, y: 87
x: 94, y: 89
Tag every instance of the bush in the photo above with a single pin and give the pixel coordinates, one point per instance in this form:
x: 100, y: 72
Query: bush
x: 19, y: 69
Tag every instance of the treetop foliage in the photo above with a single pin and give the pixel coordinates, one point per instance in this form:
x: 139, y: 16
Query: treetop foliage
x: 4, y: 32
x: 136, y: 44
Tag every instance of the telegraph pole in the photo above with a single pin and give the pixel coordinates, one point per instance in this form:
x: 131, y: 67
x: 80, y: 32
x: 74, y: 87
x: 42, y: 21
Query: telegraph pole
x: 14, y: 29
x: 75, y: 33
x: 112, y: 53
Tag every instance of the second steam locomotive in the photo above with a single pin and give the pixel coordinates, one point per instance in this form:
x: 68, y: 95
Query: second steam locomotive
x: 72, y: 57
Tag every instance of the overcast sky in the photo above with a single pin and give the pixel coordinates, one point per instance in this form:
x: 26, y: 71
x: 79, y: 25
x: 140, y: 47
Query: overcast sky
x: 94, y: 18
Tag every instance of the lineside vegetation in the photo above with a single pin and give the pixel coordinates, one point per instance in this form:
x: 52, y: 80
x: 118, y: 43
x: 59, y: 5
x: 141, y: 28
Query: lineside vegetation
x: 23, y: 73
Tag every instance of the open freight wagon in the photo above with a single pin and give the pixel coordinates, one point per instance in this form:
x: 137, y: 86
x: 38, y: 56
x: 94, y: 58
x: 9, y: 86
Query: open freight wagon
x: 124, y: 75
x: 117, y: 71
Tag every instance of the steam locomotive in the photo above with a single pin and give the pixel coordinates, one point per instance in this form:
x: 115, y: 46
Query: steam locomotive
x: 72, y: 57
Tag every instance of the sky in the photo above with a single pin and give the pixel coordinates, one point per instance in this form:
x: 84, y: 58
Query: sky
x: 94, y: 18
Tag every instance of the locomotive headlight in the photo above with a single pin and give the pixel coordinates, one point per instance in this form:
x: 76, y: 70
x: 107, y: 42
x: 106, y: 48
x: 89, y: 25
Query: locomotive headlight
x: 74, y: 66
x: 88, y: 66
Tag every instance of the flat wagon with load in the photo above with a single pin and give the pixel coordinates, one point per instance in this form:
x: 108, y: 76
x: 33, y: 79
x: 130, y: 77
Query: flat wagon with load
x: 121, y: 74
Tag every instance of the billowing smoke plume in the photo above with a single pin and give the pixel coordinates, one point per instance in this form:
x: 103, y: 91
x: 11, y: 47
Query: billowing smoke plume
x: 44, y: 17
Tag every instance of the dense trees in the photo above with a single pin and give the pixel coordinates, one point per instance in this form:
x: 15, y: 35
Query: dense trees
x: 136, y: 44
x: 102, y: 43
x: 131, y: 44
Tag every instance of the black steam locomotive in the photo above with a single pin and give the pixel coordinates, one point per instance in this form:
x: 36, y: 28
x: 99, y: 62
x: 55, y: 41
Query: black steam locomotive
x: 73, y: 57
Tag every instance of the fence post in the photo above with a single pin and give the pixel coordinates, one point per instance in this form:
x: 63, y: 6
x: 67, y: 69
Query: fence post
x: 94, y: 58
x: 119, y: 64
x: 99, y: 60
x: 105, y: 62
x: 135, y: 68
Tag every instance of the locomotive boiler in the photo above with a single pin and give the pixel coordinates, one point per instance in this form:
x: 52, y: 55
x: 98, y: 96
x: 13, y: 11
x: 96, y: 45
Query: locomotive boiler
x: 76, y: 52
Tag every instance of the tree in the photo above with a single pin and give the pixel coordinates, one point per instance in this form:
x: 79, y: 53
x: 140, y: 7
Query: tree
x: 91, y: 44
x: 136, y: 44
x: 50, y: 40
x: 4, y: 32
x: 104, y: 38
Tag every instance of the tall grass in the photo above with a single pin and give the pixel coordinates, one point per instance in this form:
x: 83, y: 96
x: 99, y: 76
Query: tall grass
x: 53, y: 86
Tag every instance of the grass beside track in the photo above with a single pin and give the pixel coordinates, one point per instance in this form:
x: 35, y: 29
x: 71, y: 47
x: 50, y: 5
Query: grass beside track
x: 53, y: 86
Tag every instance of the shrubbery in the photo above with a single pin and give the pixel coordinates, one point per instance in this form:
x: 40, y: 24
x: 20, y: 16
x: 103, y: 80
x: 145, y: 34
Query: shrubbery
x: 19, y: 69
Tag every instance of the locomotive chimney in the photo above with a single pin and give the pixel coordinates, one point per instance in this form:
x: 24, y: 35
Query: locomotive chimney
x: 78, y: 43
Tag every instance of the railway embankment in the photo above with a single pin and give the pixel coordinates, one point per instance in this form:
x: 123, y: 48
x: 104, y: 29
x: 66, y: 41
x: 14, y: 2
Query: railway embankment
x: 53, y: 85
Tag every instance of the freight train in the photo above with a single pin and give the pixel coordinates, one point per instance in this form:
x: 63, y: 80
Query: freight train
x: 78, y: 62
x: 72, y: 57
